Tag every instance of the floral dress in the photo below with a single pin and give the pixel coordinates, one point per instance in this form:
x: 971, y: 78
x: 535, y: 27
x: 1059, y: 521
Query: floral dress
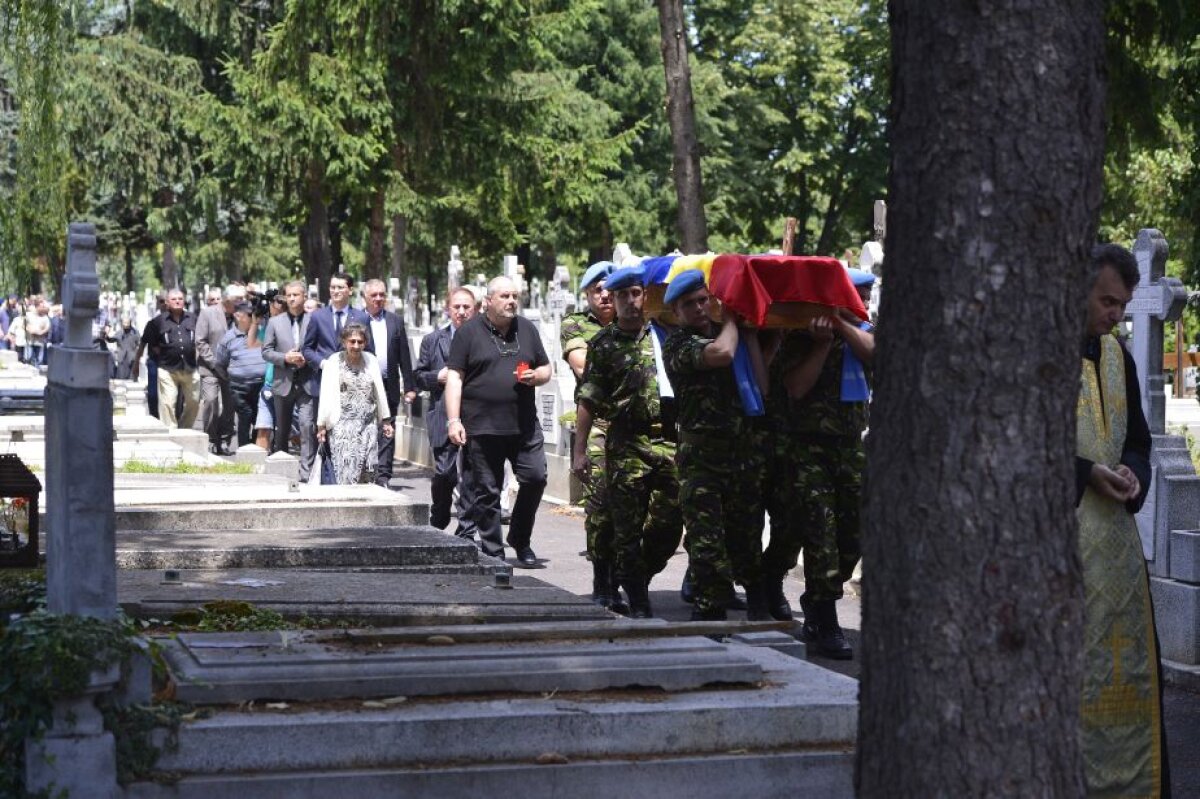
x: 353, y: 441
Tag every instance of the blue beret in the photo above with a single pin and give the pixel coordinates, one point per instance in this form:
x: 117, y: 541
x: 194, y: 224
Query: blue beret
x: 624, y: 277
x: 683, y: 283
x: 860, y: 278
x: 597, y: 271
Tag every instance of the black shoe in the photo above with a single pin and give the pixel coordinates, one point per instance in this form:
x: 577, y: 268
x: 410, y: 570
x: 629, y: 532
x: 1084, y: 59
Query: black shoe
x: 220, y: 449
x: 526, y: 557
x: 439, y: 521
x: 687, y: 591
x: 714, y: 614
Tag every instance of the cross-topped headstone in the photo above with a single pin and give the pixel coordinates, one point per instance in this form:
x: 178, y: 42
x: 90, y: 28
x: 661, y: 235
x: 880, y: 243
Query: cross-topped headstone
x: 1156, y: 299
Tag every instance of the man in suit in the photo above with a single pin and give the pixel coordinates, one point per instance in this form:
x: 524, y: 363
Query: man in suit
x: 431, y: 375
x: 289, y: 392
x: 216, y: 401
x: 395, y: 362
x: 322, y: 339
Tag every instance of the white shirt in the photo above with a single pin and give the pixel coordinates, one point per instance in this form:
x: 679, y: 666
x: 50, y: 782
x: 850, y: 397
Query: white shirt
x: 379, y: 336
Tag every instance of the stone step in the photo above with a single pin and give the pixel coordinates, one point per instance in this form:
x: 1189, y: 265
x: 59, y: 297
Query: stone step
x: 344, y: 547
x: 794, y: 726
x: 253, y: 513
x: 766, y: 775
x: 375, y: 598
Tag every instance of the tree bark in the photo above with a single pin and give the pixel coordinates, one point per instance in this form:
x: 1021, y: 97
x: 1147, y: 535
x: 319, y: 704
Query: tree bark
x: 170, y: 267
x: 972, y: 612
x: 376, y: 237
x: 681, y: 113
x: 314, y: 235
x: 128, y: 270
x: 399, y: 253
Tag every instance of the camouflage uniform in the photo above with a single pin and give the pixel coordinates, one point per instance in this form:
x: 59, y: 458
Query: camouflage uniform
x: 574, y: 333
x: 718, y: 472
x: 621, y: 385
x: 816, y: 474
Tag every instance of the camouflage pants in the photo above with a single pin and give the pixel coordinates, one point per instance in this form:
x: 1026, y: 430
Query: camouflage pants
x: 814, y: 502
x: 722, y: 510
x: 644, y: 496
x: 597, y: 524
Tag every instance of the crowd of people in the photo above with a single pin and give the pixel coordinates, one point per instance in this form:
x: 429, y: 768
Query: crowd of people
x: 281, y: 370
x: 30, y: 327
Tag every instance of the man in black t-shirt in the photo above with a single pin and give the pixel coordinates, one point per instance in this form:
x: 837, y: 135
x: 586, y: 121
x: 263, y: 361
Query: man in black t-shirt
x: 495, y: 361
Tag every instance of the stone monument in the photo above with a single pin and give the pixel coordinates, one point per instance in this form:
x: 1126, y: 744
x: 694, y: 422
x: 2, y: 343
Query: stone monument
x: 77, y: 754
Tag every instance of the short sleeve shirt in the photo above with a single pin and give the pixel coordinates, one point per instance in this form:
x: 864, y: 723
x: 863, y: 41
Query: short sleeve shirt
x: 493, y: 402
x: 173, y: 344
x: 577, y: 330
x: 706, y: 400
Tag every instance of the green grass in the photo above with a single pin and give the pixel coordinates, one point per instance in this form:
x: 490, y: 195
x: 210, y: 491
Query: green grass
x: 143, y: 467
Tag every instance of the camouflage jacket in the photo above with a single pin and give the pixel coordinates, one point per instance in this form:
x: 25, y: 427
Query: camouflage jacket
x: 620, y: 384
x: 821, y: 411
x: 706, y: 400
x: 577, y: 330
x: 574, y: 333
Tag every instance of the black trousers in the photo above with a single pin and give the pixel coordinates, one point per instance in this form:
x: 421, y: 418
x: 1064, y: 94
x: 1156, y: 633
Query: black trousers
x: 245, y: 405
x: 446, y: 476
x: 486, y: 456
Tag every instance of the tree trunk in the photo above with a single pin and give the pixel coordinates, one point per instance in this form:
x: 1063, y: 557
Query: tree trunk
x: 681, y: 113
x: 170, y: 267
x: 399, y: 254
x: 972, y: 612
x: 336, y: 216
x: 128, y: 270
x: 314, y: 235
x: 376, y: 237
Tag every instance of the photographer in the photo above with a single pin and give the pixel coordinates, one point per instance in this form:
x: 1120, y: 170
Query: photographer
x: 239, y: 356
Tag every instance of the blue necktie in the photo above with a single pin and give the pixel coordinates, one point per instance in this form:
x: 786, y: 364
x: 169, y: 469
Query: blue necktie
x: 338, y: 325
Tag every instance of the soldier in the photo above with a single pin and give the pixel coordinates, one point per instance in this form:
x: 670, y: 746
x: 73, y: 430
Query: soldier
x: 721, y: 499
x: 621, y: 386
x: 821, y: 452
x: 576, y: 330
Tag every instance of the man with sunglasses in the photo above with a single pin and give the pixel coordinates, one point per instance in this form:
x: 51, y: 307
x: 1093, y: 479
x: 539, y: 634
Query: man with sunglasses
x: 495, y: 361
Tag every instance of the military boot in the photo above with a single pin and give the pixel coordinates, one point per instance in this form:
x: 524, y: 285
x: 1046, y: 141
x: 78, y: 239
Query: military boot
x: 618, y: 603
x: 756, y: 603
x: 712, y: 614
x: 687, y: 590
x: 824, y: 630
x: 639, y: 599
x: 777, y: 604
x: 602, y: 585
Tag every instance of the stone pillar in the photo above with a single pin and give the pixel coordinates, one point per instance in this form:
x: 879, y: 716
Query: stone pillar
x: 81, y: 573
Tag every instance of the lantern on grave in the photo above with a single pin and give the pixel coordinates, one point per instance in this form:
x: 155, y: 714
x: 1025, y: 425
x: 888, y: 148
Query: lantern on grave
x: 19, y: 492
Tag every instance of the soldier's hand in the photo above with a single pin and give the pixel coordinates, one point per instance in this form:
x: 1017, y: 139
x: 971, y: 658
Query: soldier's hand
x: 822, y: 328
x: 581, y: 465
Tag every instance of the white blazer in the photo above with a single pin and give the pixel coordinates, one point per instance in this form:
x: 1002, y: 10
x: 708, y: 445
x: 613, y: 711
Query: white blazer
x: 330, y: 404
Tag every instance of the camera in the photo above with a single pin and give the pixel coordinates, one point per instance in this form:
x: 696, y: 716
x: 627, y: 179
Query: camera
x: 262, y: 302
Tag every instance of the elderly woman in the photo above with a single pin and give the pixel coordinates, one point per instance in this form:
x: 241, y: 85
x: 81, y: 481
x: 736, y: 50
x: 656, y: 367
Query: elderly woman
x: 240, y: 354
x: 352, y: 407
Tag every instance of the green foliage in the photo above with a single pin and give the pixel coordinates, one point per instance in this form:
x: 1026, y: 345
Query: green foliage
x: 21, y: 591
x: 144, y: 467
x: 136, y: 729
x: 47, y: 657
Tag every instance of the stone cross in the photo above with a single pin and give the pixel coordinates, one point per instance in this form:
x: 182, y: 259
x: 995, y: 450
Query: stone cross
x: 1156, y: 299
x: 77, y: 755
x: 454, y: 270
x: 81, y: 576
